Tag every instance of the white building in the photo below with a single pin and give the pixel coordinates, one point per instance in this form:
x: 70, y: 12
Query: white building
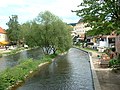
x: 80, y: 29
x: 3, y: 37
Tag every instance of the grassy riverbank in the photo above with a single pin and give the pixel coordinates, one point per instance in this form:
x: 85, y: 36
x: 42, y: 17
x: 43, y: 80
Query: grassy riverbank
x: 11, y: 52
x: 0, y: 55
x: 17, y: 74
x: 86, y: 49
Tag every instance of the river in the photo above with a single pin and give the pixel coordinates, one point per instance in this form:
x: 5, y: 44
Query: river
x: 68, y: 72
x: 12, y: 60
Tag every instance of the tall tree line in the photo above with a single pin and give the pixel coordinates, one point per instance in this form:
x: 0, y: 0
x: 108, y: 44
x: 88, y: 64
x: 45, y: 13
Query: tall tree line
x: 47, y: 31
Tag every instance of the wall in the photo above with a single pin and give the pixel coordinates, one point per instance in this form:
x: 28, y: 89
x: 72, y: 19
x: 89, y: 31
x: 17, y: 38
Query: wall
x: 117, y: 44
x: 3, y: 37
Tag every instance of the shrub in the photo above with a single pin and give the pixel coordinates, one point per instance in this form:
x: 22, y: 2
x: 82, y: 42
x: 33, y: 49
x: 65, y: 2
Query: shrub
x: 114, y: 63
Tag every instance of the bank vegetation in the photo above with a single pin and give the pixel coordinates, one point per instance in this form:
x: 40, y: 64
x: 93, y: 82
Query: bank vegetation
x: 15, y: 75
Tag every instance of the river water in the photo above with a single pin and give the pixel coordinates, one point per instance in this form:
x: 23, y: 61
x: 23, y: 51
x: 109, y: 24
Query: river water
x: 12, y: 60
x: 69, y: 72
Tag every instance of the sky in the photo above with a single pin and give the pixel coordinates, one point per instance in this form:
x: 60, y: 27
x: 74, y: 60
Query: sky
x: 29, y: 9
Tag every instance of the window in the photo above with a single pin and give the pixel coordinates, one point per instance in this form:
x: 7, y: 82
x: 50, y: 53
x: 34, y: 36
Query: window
x: 111, y: 40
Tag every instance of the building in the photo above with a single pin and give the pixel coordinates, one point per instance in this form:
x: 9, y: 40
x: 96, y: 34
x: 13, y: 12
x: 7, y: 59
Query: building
x: 3, y: 37
x: 107, y: 41
x: 80, y: 29
x: 117, y: 44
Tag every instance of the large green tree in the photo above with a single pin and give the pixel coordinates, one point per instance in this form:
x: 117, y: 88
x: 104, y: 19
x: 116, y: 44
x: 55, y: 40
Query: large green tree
x: 102, y: 15
x: 13, y: 30
x: 29, y: 32
x: 47, y: 31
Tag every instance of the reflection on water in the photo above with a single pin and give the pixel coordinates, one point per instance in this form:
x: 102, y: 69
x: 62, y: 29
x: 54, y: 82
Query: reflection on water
x: 12, y: 60
x: 69, y: 72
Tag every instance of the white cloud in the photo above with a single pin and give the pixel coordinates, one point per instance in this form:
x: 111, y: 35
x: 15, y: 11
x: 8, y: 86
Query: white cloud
x: 5, y: 3
x: 29, y: 9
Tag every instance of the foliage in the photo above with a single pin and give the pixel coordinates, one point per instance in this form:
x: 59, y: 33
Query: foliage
x: 114, y: 63
x: 13, y: 30
x: 14, y: 51
x: 30, y: 33
x: 13, y: 75
x: 0, y: 55
x: 48, y: 32
x: 102, y: 15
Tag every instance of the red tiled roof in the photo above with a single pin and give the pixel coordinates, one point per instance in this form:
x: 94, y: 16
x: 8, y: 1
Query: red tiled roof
x: 2, y: 30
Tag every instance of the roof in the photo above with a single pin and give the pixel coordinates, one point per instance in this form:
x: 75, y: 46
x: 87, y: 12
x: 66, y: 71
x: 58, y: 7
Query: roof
x: 2, y: 30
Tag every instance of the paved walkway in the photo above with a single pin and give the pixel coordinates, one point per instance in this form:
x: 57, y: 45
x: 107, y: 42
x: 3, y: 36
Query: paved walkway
x: 108, y: 79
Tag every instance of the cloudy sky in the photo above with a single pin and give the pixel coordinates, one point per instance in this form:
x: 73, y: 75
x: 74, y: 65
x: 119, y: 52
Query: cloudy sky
x: 29, y: 9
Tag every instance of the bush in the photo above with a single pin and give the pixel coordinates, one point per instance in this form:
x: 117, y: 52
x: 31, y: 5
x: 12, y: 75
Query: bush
x: 114, y: 63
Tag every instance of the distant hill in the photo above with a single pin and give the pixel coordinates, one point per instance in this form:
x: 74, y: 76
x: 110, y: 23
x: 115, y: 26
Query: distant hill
x: 73, y: 24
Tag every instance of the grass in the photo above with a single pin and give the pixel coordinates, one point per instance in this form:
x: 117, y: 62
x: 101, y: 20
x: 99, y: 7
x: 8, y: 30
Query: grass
x: 14, y: 51
x: 0, y: 55
x: 18, y: 73
x: 86, y: 49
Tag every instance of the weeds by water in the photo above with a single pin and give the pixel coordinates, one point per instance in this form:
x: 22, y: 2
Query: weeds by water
x: 14, y: 51
x: 18, y: 73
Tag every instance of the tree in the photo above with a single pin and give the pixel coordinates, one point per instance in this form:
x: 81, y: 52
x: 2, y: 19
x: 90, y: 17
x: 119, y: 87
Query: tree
x: 28, y: 33
x: 48, y: 32
x: 102, y: 15
x: 13, y: 30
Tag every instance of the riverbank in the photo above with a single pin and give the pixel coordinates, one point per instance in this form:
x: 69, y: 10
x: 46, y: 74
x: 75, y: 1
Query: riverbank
x: 12, y: 77
x: 15, y: 75
x: 107, y: 78
x: 68, y: 72
x: 5, y: 52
